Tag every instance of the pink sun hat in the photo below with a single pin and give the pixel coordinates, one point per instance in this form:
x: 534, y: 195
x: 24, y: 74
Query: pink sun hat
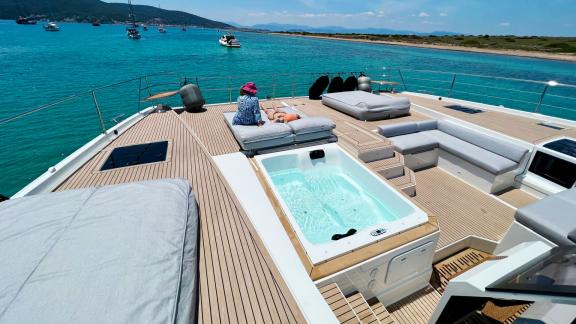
x: 250, y: 88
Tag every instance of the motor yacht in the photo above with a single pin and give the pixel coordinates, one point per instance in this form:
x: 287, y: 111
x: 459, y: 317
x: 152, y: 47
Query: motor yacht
x: 229, y: 40
x: 51, y: 27
x: 372, y: 207
x: 25, y: 21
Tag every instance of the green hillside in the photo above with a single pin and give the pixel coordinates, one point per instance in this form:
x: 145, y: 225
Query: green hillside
x: 88, y: 10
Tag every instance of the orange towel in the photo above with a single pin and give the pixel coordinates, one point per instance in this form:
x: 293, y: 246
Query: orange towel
x: 291, y: 117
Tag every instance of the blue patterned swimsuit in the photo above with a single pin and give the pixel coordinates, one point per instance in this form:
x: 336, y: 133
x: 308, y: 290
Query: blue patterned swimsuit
x: 248, y: 111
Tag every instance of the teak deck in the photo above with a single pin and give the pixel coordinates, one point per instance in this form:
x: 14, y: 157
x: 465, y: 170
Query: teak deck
x: 238, y: 281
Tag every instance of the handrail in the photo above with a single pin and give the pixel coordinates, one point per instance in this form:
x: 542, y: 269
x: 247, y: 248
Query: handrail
x: 276, y: 85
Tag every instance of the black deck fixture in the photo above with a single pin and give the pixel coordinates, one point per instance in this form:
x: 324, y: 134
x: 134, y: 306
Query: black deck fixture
x: 317, y: 154
x: 3, y: 198
x: 468, y: 110
x: 136, y: 155
x: 350, y: 232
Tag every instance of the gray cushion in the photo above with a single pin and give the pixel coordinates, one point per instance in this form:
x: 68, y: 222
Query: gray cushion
x: 254, y: 137
x: 311, y: 125
x: 407, y: 128
x: 476, y: 155
x: 367, y: 106
x: 119, y: 254
x: 398, y: 129
x: 572, y: 236
x: 427, y: 125
x: 414, y: 143
x: 553, y: 217
x: 500, y: 146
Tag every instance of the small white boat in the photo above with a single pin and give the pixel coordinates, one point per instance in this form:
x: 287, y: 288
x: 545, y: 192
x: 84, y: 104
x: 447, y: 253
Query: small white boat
x: 161, y: 29
x: 51, y: 27
x: 229, y: 40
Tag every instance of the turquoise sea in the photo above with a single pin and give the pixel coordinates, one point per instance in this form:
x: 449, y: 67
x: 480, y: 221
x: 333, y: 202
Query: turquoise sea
x: 38, y: 67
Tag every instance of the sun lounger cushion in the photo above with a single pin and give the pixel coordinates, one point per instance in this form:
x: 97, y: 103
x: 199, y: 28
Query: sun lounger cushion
x: 119, y: 254
x: 552, y: 217
x: 311, y: 125
x: 476, y: 155
x: 269, y: 135
x: 367, y: 106
x: 500, y: 146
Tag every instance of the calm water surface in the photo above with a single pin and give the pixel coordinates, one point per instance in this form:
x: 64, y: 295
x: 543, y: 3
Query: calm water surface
x: 39, y: 67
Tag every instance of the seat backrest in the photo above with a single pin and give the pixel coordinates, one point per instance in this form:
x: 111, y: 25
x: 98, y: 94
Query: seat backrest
x: 407, y: 128
x: 500, y: 146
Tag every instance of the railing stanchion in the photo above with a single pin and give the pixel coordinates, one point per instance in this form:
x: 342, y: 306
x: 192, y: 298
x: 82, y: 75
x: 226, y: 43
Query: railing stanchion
x: 402, y: 78
x: 274, y: 87
x: 139, y: 92
x: 293, y: 86
x: 98, y: 112
x: 537, y: 109
x: 452, y: 85
x: 229, y: 91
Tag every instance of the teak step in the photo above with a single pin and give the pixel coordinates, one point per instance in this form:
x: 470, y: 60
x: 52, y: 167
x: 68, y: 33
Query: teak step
x: 363, y: 144
x: 339, y: 304
x: 389, y: 168
x: 451, y: 267
x: 406, y: 182
x: 382, y: 313
x: 362, y: 309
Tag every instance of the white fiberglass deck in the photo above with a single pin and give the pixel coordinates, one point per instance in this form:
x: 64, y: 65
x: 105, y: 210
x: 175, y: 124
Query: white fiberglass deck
x: 332, y: 195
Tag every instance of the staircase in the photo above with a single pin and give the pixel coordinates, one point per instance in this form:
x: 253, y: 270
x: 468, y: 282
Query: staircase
x: 354, y: 308
x: 378, y: 153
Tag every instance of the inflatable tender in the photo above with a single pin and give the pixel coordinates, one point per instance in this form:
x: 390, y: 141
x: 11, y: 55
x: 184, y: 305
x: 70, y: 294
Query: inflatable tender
x: 317, y: 89
x: 336, y: 85
x: 351, y: 83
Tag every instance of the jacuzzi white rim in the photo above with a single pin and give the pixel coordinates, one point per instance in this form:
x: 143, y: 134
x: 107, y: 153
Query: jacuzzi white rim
x: 320, y: 253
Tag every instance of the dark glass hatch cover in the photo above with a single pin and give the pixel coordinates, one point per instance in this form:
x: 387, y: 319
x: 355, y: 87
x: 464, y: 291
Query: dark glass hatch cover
x: 136, y: 155
x: 564, y: 146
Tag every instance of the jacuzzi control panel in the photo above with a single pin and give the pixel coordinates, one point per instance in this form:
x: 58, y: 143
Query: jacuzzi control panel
x: 378, y: 232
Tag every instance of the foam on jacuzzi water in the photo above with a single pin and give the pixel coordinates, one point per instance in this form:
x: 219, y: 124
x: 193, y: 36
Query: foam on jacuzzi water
x: 326, y: 200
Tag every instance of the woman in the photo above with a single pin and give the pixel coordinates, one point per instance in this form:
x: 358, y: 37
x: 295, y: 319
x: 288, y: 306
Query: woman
x: 248, y: 107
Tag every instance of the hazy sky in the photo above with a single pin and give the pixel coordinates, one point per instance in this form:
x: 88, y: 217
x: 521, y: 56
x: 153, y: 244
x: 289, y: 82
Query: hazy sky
x: 521, y: 17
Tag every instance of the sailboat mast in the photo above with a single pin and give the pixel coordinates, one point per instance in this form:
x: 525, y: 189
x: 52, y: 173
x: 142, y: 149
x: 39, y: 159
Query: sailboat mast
x: 132, y: 13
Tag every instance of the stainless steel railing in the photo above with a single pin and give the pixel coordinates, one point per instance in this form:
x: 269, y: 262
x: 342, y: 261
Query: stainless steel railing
x: 527, y: 95
x: 217, y: 89
x: 45, y: 134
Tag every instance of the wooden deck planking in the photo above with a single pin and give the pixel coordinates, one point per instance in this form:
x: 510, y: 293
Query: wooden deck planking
x: 238, y: 282
x: 517, y: 197
x: 339, y: 304
x: 416, y: 308
x: 461, y: 209
x: 523, y: 128
x: 211, y: 129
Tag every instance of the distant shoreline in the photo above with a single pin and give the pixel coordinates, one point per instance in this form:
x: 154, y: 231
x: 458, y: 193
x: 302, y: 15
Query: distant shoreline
x: 518, y: 53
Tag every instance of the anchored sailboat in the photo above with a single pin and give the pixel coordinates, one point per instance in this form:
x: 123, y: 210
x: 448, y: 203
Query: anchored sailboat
x: 132, y: 31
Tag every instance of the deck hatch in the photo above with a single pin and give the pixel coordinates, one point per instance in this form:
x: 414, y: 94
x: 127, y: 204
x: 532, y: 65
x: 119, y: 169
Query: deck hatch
x: 136, y: 155
x: 463, y: 109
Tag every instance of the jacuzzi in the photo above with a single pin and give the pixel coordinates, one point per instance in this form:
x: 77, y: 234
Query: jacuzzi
x: 333, y: 203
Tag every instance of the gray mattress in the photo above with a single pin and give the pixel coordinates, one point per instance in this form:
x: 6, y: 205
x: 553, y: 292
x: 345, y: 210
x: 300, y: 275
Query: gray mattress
x: 367, y: 106
x: 272, y: 134
x: 119, y: 254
